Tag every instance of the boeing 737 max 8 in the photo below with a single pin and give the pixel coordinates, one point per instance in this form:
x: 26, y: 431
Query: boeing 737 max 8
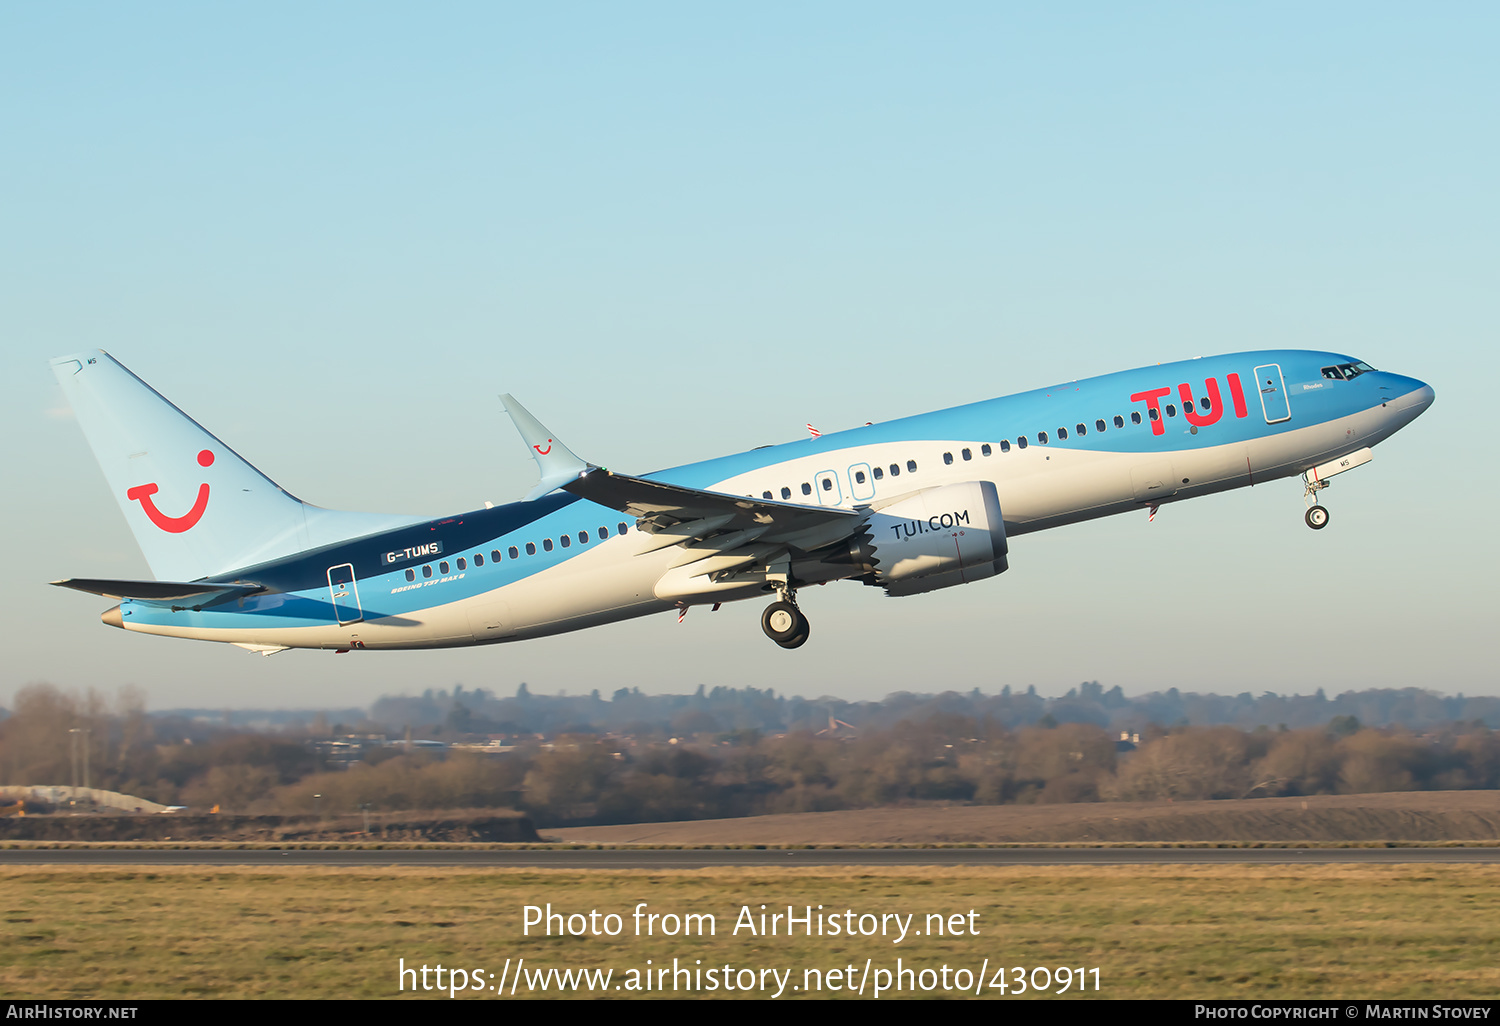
x: 908, y: 506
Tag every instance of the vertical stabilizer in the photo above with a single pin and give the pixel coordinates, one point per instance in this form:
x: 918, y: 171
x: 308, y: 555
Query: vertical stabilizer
x: 195, y: 506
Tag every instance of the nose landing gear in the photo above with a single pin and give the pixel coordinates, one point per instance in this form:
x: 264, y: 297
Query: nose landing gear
x: 1316, y: 479
x: 1316, y: 516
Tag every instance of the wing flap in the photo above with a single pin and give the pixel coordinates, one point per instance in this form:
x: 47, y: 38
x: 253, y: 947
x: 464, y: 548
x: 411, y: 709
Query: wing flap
x: 658, y: 506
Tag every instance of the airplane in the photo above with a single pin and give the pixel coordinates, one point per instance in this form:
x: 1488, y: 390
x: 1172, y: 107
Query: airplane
x: 909, y: 506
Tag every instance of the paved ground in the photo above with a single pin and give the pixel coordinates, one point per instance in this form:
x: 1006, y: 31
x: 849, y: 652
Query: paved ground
x: 680, y: 859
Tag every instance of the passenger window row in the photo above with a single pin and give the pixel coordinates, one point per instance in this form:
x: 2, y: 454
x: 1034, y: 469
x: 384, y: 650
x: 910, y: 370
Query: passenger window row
x: 1081, y: 429
x: 859, y: 476
x: 566, y: 541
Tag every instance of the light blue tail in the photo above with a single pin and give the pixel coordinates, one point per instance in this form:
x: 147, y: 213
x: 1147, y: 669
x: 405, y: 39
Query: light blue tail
x: 196, y: 508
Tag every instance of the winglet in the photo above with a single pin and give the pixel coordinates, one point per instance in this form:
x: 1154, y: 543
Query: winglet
x: 557, y: 463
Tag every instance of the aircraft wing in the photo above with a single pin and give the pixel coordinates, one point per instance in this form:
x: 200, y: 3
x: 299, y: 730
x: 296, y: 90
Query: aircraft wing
x: 720, y: 534
x: 660, y: 507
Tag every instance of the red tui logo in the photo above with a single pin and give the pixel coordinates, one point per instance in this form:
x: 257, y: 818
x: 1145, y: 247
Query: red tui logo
x: 1153, y: 397
x: 174, y: 525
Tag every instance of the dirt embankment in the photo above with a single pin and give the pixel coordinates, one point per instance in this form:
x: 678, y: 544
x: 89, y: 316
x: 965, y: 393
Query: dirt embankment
x: 1404, y: 816
x: 486, y: 825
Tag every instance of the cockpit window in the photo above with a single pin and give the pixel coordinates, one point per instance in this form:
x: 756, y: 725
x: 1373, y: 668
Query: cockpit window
x: 1347, y: 371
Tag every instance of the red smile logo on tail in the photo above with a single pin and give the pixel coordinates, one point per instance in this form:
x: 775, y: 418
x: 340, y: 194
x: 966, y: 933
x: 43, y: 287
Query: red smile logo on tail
x: 174, y: 525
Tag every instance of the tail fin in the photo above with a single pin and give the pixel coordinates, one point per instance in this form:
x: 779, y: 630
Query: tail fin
x: 195, y: 506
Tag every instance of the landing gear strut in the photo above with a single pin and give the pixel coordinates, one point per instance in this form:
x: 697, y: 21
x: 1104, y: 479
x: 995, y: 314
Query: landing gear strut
x: 782, y: 621
x: 1316, y: 479
x: 1316, y: 516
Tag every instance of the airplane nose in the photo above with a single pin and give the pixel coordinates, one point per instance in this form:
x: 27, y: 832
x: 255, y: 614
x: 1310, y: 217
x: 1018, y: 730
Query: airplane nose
x: 1410, y: 398
x: 1423, y: 397
x: 1417, y: 400
x: 113, y: 617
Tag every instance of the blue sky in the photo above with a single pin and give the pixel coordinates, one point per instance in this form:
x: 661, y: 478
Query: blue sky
x: 675, y: 231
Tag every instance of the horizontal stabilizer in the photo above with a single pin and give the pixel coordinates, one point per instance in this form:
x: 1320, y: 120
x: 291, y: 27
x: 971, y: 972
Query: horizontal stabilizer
x: 200, y: 592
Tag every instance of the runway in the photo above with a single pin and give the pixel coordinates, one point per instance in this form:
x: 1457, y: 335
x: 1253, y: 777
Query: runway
x: 621, y: 858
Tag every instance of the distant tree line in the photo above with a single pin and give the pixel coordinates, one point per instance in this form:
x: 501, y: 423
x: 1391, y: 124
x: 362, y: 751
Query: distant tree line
x: 628, y: 710
x: 911, y: 748
x: 460, y: 712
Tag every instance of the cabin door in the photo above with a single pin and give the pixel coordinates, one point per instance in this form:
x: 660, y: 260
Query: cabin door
x: 344, y: 591
x: 1273, y: 401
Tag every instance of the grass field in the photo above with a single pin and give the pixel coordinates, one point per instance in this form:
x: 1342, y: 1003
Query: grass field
x: 1400, y: 815
x: 1171, y: 932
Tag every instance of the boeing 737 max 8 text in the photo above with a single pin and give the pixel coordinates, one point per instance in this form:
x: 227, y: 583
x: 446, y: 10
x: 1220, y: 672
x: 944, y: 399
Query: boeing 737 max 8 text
x: 909, y: 506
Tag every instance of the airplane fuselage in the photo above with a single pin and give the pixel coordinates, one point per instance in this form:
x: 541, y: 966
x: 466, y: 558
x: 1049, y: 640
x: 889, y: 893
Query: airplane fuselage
x: 1050, y: 457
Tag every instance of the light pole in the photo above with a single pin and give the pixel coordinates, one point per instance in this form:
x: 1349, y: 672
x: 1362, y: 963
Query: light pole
x: 73, y: 761
x: 73, y: 752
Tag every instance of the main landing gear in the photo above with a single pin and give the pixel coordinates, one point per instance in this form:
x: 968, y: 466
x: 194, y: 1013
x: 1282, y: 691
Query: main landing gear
x: 782, y: 621
x: 784, y: 624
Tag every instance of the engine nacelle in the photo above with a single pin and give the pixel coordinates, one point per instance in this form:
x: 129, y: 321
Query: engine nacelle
x: 936, y: 539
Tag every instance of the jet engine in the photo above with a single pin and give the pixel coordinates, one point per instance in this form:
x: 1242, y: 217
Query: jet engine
x: 934, y: 539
